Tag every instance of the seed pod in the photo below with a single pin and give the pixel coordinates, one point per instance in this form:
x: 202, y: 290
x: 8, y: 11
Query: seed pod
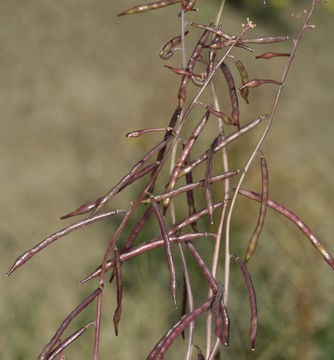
x: 150, y: 6
x: 190, y: 197
x: 83, y: 209
x: 166, y: 341
x: 68, y: 341
x: 167, y: 51
x: 261, y: 40
x: 258, y: 82
x: 184, y: 302
x: 218, y: 32
x: 244, y: 76
x: 182, y: 158
x: 222, y: 322
x: 252, y: 299
x: 137, y: 133
x: 168, y: 251
x: 182, y: 72
x: 198, y: 81
x: 269, y: 55
x: 227, y: 120
x: 264, y: 198
x: 315, y: 241
x: 222, y: 144
x: 119, y: 283
x: 233, y: 94
x: 207, y: 187
x: 265, y: 40
x: 191, y: 63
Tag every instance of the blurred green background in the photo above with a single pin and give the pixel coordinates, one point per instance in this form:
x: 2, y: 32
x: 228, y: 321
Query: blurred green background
x: 74, y: 79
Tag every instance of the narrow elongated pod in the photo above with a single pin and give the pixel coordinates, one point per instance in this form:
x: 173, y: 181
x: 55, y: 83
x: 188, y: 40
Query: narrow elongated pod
x: 201, y: 264
x: 270, y: 55
x: 222, y: 323
x: 244, y: 76
x: 22, y: 259
x: 258, y: 82
x: 193, y: 186
x: 219, y: 114
x: 128, y: 178
x: 176, y: 228
x: 296, y: 220
x: 261, y: 40
x: 68, y: 341
x: 224, y: 141
x: 208, y: 170
x: 172, y: 124
x: 167, y: 51
x: 137, y: 133
x: 168, y: 250
x: 167, y: 340
x: 119, y: 284
x: 137, y: 229
x: 252, y: 299
x: 47, y: 349
x: 83, y: 209
x: 190, y: 66
x: 184, y: 301
x: 233, y: 94
x: 183, y: 156
x: 149, y: 245
x: 190, y: 197
x: 264, y: 198
x: 219, y: 32
x: 150, y: 6
x: 183, y: 72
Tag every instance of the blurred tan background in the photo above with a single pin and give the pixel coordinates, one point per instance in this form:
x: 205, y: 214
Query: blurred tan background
x: 74, y: 79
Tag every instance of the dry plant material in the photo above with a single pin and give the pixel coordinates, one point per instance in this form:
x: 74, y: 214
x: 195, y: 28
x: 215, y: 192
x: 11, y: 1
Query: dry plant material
x: 252, y: 300
x: 119, y: 283
x: 182, y: 72
x: 261, y: 40
x: 219, y: 114
x: 184, y: 155
x: 150, y: 6
x: 48, y: 347
x: 167, y: 51
x: 168, y: 250
x: 190, y: 197
x: 222, y: 322
x: 213, y: 48
x: 184, y: 302
x: 258, y: 82
x: 150, y: 245
x: 264, y: 198
x: 224, y: 141
x: 296, y: 220
x: 68, y: 341
x: 244, y: 77
x: 270, y: 55
x: 22, y: 259
x: 233, y: 94
x: 137, y: 133
x: 207, y: 182
x: 167, y: 340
